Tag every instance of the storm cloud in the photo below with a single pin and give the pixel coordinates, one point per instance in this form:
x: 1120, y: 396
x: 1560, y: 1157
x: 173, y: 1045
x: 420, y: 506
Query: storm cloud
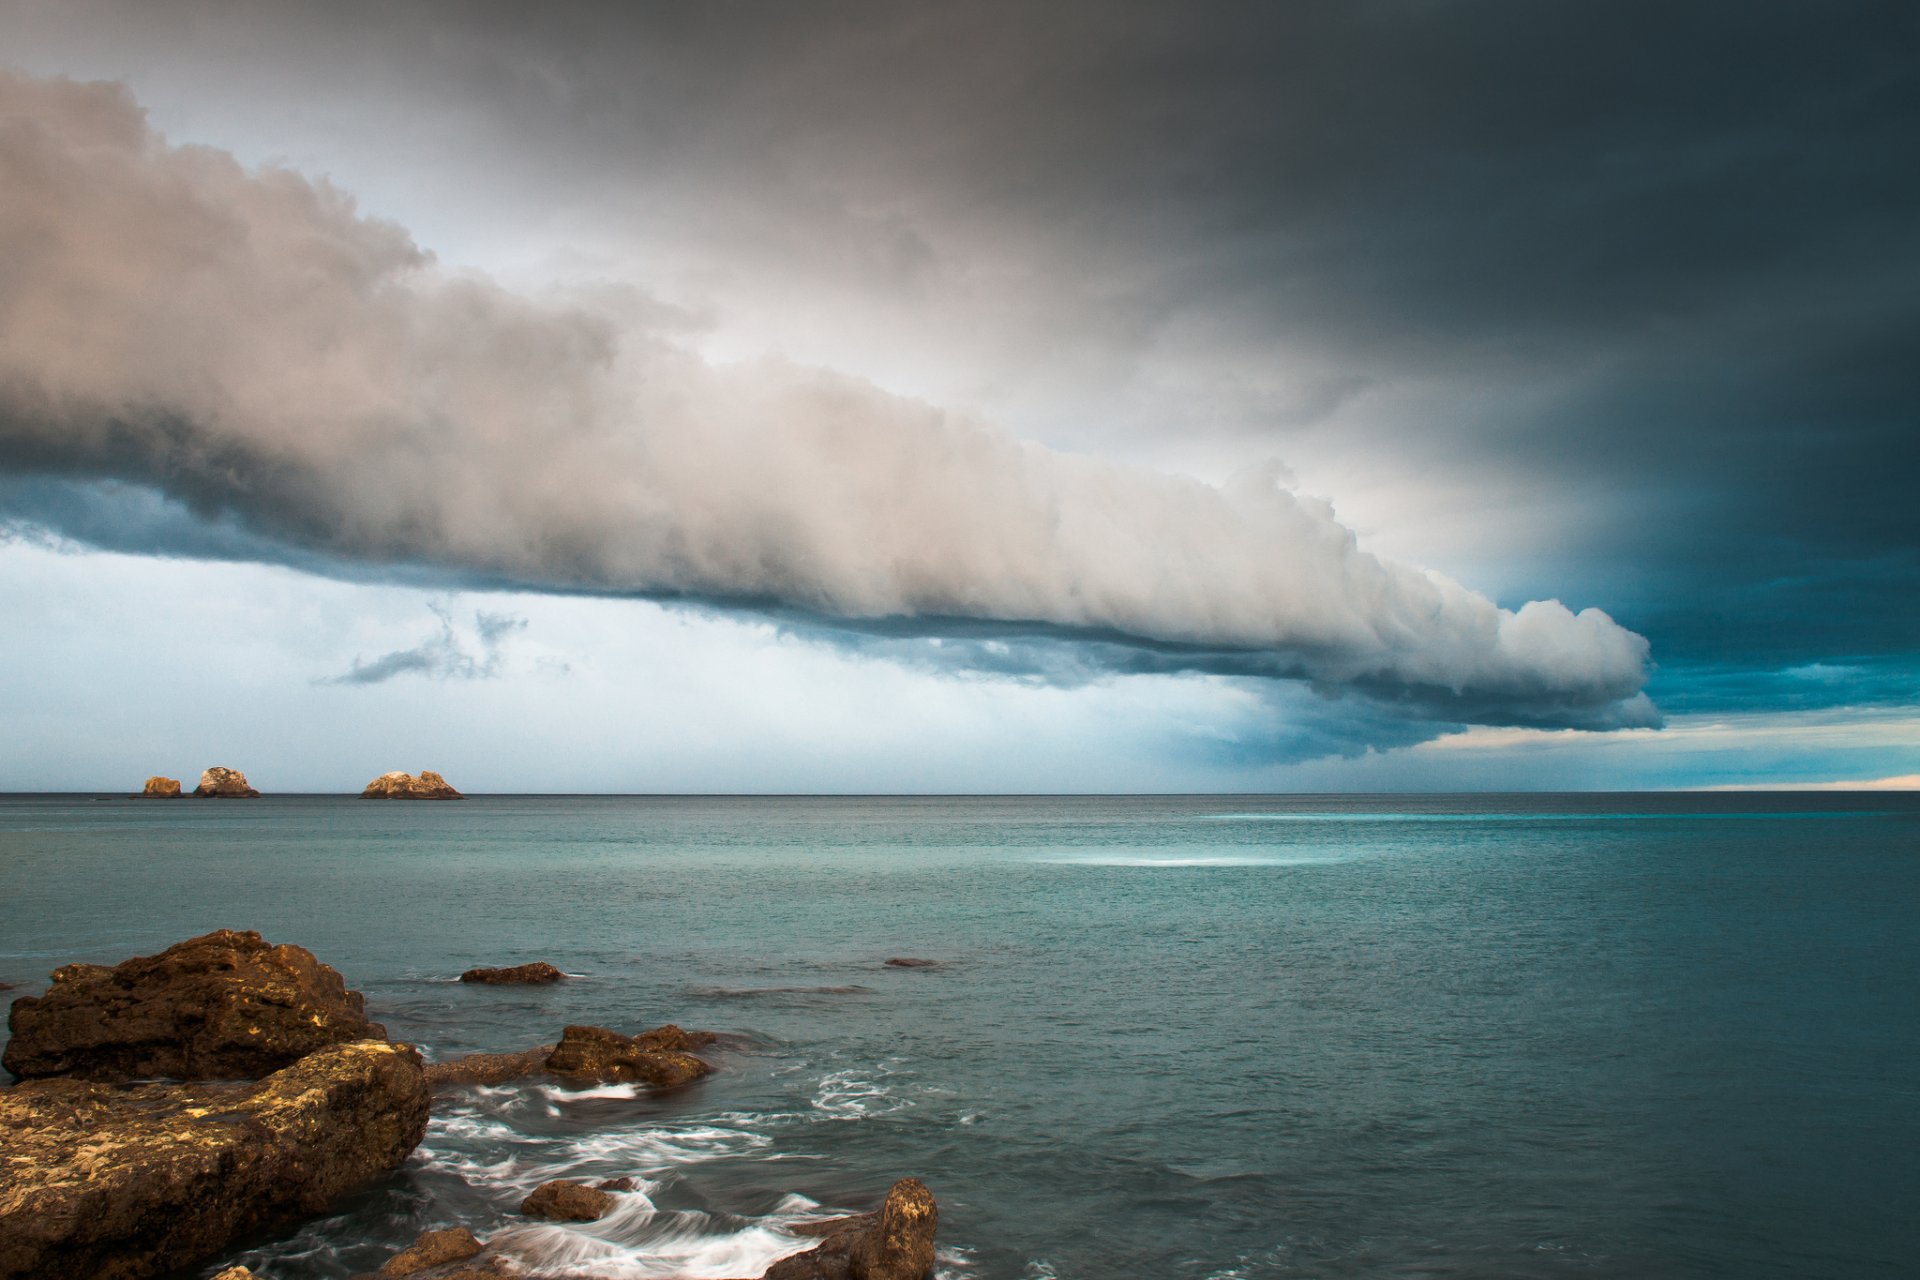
x: 242, y: 341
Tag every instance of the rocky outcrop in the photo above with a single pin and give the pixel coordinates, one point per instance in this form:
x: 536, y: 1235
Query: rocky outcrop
x: 567, y: 1201
x: 131, y: 1181
x: 661, y: 1058
x: 404, y: 786
x: 159, y: 788
x: 222, y: 1006
x: 222, y: 783
x: 487, y: 1068
x: 434, y: 1249
x: 539, y: 973
x: 893, y: 1243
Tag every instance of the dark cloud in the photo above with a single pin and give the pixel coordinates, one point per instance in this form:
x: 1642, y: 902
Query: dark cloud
x: 445, y: 655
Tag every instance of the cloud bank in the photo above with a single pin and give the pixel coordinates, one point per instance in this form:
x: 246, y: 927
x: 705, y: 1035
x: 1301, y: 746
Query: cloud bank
x: 244, y: 343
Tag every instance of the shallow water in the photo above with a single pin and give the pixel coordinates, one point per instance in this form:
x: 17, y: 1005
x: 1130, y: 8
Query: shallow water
x: 1187, y: 1037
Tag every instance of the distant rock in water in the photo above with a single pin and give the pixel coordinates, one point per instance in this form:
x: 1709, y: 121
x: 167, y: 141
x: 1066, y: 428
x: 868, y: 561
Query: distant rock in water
x: 895, y: 1243
x: 567, y: 1201
x: 912, y: 962
x: 134, y: 1181
x: 539, y: 973
x: 159, y: 788
x: 661, y: 1058
x: 222, y: 783
x: 404, y: 786
x: 222, y: 1006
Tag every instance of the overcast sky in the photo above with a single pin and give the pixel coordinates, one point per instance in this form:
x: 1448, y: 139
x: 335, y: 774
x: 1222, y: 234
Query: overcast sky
x: 977, y: 397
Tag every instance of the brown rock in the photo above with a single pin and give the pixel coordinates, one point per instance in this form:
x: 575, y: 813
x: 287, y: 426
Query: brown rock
x: 222, y: 783
x: 131, y: 1181
x: 539, y: 973
x: 912, y: 962
x: 619, y: 1184
x: 434, y: 1249
x: 568, y: 1202
x: 222, y: 1006
x: 159, y: 788
x: 235, y: 1273
x: 894, y: 1243
x: 487, y: 1068
x: 658, y: 1058
x: 404, y: 786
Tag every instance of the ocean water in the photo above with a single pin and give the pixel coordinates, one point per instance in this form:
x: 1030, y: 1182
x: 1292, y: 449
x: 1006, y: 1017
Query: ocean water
x: 1197, y: 1037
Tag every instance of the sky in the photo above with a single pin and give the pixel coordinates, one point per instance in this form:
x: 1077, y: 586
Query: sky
x: 1388, y: 395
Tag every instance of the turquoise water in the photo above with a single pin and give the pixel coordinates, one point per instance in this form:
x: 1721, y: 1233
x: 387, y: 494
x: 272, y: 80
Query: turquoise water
x: 1192, y: 1037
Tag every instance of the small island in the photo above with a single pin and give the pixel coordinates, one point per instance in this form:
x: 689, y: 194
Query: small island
x: 222, y: 783
x: 404, y: 786
x: 159, y: 788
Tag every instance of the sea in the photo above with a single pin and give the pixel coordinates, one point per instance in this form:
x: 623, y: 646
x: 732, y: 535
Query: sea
x: 1164, y: 1038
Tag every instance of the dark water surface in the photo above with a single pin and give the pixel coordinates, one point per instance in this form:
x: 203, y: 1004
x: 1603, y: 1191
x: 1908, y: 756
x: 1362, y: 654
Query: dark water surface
x: 1610, y: 1036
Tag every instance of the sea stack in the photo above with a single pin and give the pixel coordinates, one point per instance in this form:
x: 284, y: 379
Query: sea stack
x: 222, y: 783
x: 159, y: 788
x: 404, y: 786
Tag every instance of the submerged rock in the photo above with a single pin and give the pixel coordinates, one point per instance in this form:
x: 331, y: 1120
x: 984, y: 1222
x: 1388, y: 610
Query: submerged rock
x: 912, y: 962
x: 159, y: 788
x: 222, y: 783
x: 223, y: 1006
x: 131, y: 1181
x: 567, y: 1201
x: 538, y: 973
x: 404, y: 786
x: 487, y: 1068
x: 893, y: 1243
x: 434, y: 1249
x: 662, y: 1057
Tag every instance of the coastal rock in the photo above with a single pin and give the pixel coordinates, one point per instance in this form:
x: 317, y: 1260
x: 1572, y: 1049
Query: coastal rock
x: 912, y: 962
x: 404, y: 786
x: 223, y: 1006
x: 487, y: 1068
x: 131, y: 1181
x: 894, y: 1243
x: 566, y: 1201
x: 159, y: 788
x: 235, y: 1273
x: 539, y: 973
x: 222, y: 783
x: 619, y: 1184
x: 434, y: 1249
x: 661, y: 1058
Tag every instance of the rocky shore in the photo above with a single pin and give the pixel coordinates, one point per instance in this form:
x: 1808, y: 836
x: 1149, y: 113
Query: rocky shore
x: 172, y: 1105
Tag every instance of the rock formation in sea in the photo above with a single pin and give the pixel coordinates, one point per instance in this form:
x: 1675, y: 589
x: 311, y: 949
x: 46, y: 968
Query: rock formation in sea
x: 912, y: 962
x: 222, y: 783
x: 661, y: 1058
x: 487, y: 1068
x: 893, y: 1243
x: 222, y: 1006
x: 159, y: 788
x: 565, y: 1200
x: 434, y: 1249
x: 539, y: 973
x: 404, y: 786
x: 141, y: 1180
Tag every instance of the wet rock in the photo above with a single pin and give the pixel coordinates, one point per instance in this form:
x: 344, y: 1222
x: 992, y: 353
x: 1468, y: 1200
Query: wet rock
x: 912, y: 962
x: 235, y: 1273
x: 619, y: 1184
x: 894, y: 1243
x: 539, y: 973
x: 434, y: 1249
x: 159, y: 788
x: 567, y: 1201
x: 222, y: 783
x: 404, y: 786
x: 132, y: 1181
x: 661, y: 1058
x: 223, y: 1006
x: 487, y: 1068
